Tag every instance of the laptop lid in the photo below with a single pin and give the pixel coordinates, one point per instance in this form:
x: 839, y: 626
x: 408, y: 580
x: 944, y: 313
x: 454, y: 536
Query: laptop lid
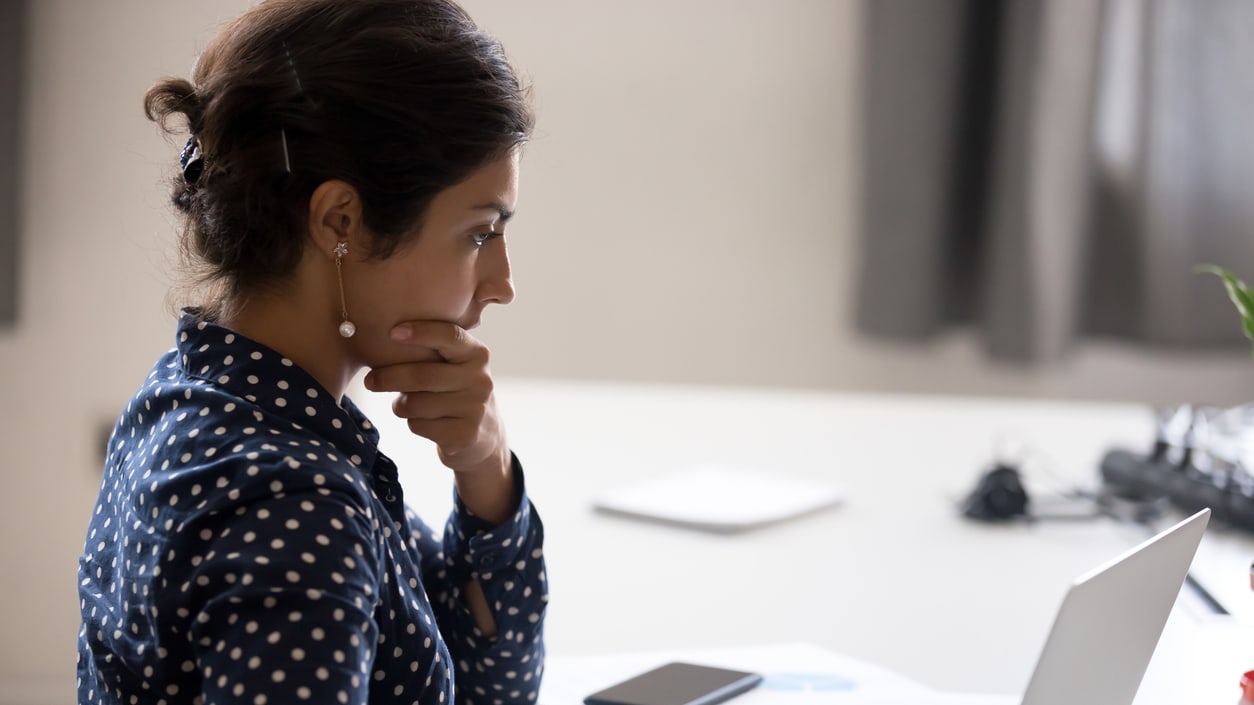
x: 1111, y: 619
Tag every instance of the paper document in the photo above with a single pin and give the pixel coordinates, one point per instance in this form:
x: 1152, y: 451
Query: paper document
x: 721, y: 499
x: 793, y: 674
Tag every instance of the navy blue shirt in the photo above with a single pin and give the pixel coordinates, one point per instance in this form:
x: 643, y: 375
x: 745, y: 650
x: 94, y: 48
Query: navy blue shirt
x: 251, y: 545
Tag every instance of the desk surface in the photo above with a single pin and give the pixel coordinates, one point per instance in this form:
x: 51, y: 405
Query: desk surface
x: 894, y: 576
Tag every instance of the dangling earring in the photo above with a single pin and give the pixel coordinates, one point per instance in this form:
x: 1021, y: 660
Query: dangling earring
x: 347, y: 329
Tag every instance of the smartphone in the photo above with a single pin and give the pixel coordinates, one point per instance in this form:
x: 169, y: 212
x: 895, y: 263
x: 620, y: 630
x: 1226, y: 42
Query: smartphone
x: 677, y: 684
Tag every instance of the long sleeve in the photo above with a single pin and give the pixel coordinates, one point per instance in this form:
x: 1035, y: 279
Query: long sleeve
x: 508, y: 562
x: 280, y: 605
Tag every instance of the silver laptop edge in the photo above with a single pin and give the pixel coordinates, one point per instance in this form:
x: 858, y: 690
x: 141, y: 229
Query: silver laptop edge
x: 1110, y: 622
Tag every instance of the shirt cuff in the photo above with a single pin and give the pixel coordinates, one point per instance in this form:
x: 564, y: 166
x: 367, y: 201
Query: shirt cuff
x: 475, y: 548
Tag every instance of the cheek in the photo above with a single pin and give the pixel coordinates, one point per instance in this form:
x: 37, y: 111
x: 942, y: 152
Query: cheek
x: 419, y: 291
x: 440, y: 296
x: 389, y: 295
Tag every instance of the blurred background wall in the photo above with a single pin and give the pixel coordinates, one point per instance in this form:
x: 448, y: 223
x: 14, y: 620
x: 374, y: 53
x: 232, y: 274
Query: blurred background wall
x: 689, y: 213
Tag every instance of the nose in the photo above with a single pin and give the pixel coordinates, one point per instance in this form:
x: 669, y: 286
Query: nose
x: 497, y: 284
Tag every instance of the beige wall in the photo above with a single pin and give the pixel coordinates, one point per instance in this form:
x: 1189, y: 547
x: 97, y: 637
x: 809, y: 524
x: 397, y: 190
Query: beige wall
x: 687, y: 214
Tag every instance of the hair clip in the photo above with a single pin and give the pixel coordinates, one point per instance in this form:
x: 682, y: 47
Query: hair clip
x: 191, y: 160
x: 287, y: 160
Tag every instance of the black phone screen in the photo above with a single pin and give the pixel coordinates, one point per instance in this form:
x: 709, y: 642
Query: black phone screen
x: 677, y: 684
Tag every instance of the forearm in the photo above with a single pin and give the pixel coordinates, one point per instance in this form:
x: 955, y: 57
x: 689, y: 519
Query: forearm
x: 487, y: 489
x: 492, y: 608
x: 510, y: 597
x: 477, y: 603
x: 489, y: 493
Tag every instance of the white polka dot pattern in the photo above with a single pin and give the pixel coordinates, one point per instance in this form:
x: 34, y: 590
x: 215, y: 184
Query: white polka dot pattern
x: 251, y: 545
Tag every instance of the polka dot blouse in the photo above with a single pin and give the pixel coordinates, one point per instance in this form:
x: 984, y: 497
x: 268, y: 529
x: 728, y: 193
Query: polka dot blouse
x: 251, y: 545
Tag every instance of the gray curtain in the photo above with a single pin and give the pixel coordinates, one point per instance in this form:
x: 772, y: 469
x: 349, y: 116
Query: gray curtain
x: 1049, y: 170
x: 12, y: 25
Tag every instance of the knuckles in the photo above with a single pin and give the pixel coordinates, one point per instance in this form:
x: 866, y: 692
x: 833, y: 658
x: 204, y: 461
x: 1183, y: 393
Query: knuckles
x: 482, y: 385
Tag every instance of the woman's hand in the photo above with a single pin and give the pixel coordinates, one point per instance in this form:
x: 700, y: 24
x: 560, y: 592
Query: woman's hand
x: 450, y: 402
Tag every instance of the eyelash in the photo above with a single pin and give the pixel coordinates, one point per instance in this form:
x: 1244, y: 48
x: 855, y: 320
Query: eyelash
x: 481, y: 239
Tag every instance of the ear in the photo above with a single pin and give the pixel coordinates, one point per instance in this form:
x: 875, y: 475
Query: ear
x: 334, y: 217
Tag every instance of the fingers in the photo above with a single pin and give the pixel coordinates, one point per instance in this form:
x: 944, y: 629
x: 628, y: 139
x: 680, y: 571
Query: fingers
x: 427, y: 377
x: 448, y: 401
x: 463, y: 437
x: 463, y: 360
x: 428, y: 406
x: 450, y: 340
x: 451, y: 436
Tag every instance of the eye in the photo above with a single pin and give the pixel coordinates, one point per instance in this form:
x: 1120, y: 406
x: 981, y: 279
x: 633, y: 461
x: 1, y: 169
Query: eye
x: 482, y: 238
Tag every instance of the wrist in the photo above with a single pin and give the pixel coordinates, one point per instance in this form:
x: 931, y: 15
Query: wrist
x: 486, y: 488
x: 494, y: 465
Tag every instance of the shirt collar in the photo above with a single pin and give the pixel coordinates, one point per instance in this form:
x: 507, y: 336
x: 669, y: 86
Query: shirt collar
x: 274, y: 384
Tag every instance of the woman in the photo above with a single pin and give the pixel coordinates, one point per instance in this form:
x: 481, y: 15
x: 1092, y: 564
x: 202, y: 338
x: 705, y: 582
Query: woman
x: 350, y: 171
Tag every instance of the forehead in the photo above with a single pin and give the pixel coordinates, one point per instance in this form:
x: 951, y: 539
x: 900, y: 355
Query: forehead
x: 491, y: 186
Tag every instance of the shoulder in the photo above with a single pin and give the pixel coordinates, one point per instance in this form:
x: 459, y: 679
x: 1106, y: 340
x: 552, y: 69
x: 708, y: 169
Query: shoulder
x: 267, y: 509
x: 215, y: 436
x: 195, y: 450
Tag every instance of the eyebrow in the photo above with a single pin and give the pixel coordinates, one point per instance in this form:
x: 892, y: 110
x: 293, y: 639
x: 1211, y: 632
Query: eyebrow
x: 497, y: 206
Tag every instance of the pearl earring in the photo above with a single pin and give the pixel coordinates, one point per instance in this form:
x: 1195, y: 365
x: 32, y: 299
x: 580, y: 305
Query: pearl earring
x: 347, y: 329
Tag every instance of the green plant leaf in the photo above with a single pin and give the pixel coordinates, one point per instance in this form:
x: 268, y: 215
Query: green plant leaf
x: 1240, y: 295
x: 1238, y: 292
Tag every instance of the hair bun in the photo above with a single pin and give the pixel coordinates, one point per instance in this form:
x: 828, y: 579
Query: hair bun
x: 174, y: 96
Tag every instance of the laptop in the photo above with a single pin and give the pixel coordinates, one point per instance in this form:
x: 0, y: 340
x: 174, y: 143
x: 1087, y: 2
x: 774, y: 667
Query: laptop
x: 1109, y: 623
x: 1101, y: 642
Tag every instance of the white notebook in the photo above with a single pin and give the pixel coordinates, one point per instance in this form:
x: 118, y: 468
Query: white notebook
x: 720, y: 499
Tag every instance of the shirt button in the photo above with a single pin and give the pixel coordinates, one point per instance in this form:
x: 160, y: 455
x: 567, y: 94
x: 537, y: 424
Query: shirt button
x: 486, y: 560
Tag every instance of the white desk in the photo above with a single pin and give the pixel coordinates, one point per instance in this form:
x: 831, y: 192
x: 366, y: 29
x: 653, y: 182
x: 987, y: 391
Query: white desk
x: 895, y: 576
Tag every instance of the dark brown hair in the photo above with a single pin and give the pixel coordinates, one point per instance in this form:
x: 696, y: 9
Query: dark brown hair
x: 399, y: 98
